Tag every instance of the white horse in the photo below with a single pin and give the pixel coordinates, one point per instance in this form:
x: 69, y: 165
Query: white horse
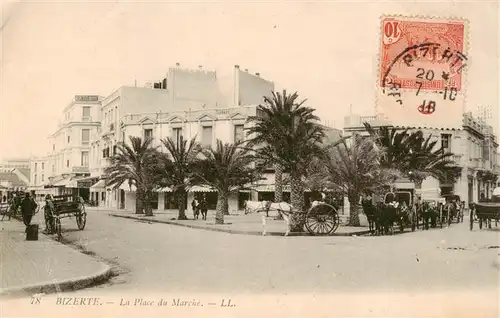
x: 283, y: 208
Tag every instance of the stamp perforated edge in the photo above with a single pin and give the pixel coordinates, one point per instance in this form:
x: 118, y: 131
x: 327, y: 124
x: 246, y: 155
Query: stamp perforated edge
x: 452, y: 18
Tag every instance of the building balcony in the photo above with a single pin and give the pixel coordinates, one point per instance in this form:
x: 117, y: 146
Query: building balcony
x: 458, y: 160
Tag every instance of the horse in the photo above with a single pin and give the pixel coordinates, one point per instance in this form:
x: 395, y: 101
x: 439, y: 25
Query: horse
x: 370, y: 211
x: 388, y: 214
x: 264, y: 206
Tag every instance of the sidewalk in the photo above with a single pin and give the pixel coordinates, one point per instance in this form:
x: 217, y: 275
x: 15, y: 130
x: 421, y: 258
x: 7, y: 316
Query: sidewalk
x: 236, y: 224
x: 43, y: 266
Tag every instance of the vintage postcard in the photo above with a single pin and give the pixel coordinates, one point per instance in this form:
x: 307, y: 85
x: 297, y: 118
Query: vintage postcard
x: 249, y: 159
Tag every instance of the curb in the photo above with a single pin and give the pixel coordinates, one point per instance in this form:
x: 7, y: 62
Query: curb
x: 200, y: 227
x: 71, y: 284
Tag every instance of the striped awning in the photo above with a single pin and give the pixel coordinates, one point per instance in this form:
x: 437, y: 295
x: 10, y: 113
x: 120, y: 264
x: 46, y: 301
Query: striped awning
x: 272, y: 188
x: 101, y: 184
x: 132, y: 188
x: 200, y: 189
x: 63, y: 183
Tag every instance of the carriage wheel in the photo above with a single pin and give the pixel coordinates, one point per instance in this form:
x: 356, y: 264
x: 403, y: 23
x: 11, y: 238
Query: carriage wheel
x: 471, y: 221
x: 449, y: 215
x: 401, y: 225
x: 414, y: 221
x: 81, y: 217
x: 58, y: 227
x: 49, y: 225
x: 441, y: 217
x: 322, y: 220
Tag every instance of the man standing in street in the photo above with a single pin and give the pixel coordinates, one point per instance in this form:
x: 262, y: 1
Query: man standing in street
x: 28, y: 208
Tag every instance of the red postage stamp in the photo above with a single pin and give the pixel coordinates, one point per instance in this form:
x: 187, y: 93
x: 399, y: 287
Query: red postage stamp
x: 422, y: 54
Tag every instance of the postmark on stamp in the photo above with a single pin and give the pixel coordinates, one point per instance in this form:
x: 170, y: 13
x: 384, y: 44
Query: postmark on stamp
x: 422, y: 65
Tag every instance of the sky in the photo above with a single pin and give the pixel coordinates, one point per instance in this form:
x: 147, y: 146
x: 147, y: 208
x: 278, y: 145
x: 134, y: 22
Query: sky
x: 327, y: 51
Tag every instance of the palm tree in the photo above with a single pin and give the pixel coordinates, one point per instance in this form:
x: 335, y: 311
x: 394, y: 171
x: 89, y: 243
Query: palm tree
x: 287, y: 136
x: 135, y: 164
x: 396, y: 144
x: 177, y: 167
x: 412, y: 154
x: 277, y: 113
x: 227, y: 168
x: 352, y: 168
x: 424, y: 160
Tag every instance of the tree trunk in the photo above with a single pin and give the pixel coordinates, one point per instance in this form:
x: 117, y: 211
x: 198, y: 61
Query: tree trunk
x: 139, y: 202
x: 354, y: 210
x: 278, y: 186
x: 226, y: 205
x: 181, y: 199
x: 297, y: 219
x: 148, y: 209
x: 221, y: 207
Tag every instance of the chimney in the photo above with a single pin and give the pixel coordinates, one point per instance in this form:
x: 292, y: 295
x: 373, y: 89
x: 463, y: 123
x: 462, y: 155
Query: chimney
x: 257, y: 74
x: 200, y: 67
x: 246, y: 70
x: 177, y: 64
x: 237, y: 66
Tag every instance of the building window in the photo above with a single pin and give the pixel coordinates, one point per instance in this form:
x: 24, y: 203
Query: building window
x: 177, y: 135
x: 85, y: 158
x: 54, y: 147
x: 148, y: 134
x: 43, y: 177
x: 69, y: 138
x: 43, y: 165
x: 85, y: 113
x: 35, y: 180
x: 123, y: 136
x: 36, y: 166
x: 85, y: 136
x: 206, y: 136
x: 67, y: 163
x: 446, y: 142
x: 239, y: 133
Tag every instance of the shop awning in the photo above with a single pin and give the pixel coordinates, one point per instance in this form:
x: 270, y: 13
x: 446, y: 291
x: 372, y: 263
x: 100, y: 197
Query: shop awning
x: 82, y: 182
x: 101, y: 184
x: 200, y: 189
x: 272, y: 188
x: 63, y: 183
x: 125, y: 187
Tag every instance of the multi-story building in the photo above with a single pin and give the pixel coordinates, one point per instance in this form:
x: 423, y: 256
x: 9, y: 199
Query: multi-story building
x: 69, y: 155
x: 22, y: 163
x: 474, y: 147
x: 186, y: 103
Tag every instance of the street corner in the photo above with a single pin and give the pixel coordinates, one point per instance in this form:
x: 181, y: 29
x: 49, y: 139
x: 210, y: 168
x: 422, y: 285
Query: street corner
x: 31, y: 268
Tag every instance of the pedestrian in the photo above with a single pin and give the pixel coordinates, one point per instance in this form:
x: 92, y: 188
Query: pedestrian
x: 196, y: 208
x: 204, y: 208
x: 28, y: 208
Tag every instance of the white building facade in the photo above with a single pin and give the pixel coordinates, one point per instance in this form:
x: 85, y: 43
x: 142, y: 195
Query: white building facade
x: 69, y: 155
x: 474, y: 147
x: 185, y: 103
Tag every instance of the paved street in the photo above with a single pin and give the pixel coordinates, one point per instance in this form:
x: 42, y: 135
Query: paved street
x: 167, y: 259
x: 160, y: 257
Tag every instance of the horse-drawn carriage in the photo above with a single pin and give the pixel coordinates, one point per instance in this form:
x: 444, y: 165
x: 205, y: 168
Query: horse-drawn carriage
x: 430, y: 208
x: 485, y: 212
x: 396, y: 207
x: 63, y: 206
x: 320, y: 219
x: 454, y: 208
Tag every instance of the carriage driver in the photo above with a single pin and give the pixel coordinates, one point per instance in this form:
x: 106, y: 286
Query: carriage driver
x: 391, y: 200
x: 28, y: 208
